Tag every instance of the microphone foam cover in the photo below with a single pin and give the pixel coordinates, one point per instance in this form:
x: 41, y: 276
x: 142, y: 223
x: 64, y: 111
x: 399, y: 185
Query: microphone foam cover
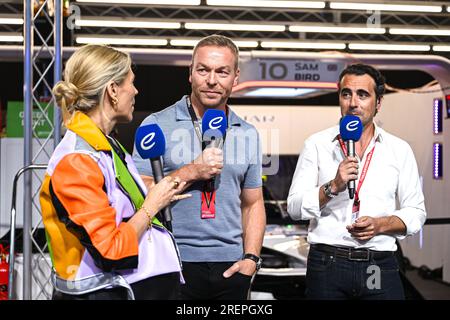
x: 150, y: 141
x: 214, y: 124
x: 350, y: 128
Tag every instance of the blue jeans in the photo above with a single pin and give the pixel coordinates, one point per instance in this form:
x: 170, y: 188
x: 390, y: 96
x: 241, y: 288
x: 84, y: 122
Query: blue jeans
x: 335, y: 277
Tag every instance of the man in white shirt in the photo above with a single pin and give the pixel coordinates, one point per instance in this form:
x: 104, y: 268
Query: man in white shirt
x: 353, y: 258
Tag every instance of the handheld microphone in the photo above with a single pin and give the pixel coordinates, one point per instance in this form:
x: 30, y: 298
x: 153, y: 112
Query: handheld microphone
x: 350, y: 129
x: 151, y: 144
x: 214, y: 127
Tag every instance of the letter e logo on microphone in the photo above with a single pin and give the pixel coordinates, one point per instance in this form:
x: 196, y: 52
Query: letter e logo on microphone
x: 150, y: 142
x: 352, y: 125
x: 215, y: 123
x: 147, y: 142
x: 350, y: 128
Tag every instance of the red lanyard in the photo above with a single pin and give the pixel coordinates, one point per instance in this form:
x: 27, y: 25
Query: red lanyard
x: 208, y: 204
x: 364, y: 169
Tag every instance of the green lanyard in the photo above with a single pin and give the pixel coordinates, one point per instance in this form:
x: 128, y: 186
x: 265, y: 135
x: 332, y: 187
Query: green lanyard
x: 128, y: 184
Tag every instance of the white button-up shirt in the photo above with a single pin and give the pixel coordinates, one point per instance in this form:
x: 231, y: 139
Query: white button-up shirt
x: 392, y: 172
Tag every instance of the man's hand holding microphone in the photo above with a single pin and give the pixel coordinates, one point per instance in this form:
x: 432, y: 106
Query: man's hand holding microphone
x: 347, y: 170
x: 208, y: 164
x: 350, y: 130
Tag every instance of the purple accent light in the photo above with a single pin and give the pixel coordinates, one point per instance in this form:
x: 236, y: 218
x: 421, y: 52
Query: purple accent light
x: 447, y: 105
x: 437, y: 116
x: 437, y: 161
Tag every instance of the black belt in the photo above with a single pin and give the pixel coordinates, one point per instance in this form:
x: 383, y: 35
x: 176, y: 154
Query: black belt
x: 352, y: 253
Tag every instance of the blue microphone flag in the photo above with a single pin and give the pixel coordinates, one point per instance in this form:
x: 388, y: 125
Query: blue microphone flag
x: 214, y: 124
x: 350, y: 128
x: 150, y: 141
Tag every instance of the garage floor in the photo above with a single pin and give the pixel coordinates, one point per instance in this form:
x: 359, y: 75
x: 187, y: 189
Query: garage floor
x: 430, y: 289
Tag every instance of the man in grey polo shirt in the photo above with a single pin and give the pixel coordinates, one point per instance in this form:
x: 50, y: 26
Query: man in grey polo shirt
x: 220, y: 252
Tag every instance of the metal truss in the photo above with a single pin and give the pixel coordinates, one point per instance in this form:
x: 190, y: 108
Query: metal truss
x: 42, y: 68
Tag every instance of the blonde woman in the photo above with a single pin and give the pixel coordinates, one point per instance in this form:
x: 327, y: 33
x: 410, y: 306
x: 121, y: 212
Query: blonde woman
x: 104, y: 239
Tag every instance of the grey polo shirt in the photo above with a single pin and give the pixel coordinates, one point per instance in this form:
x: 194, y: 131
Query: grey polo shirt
x: 218, y: 239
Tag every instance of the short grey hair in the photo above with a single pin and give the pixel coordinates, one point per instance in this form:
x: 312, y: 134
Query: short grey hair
x: 217, y: 40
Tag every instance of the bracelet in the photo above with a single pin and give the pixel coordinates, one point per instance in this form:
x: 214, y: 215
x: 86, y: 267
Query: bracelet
x: 149, y: 215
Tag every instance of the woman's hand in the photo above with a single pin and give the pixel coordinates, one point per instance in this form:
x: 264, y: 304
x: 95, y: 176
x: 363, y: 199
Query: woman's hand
x: 164, y: 192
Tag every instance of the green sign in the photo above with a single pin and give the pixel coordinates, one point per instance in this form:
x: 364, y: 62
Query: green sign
x: 15, y: 119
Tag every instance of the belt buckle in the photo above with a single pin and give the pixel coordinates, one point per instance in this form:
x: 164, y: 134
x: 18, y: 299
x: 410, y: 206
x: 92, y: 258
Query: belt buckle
x: 351, y: 258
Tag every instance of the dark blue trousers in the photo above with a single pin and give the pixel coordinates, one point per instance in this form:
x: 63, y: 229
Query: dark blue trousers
x: 331, y: 276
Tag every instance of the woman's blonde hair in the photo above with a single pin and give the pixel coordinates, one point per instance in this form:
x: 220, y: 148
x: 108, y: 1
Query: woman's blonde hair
x: 86, y: 76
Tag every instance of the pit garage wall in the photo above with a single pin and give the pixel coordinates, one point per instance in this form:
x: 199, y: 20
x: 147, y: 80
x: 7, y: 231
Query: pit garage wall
x: 409, y: 116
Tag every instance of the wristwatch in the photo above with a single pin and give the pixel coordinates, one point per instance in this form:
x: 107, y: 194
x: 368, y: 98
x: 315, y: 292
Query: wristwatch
x: 327, y: 190
x: 255, y: 258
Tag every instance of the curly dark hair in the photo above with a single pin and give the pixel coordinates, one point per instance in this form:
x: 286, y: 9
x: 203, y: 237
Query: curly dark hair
x: 362, y: 69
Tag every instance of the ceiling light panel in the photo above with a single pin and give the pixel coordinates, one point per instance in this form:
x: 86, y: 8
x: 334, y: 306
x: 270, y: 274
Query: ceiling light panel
x: 11, y: 19
x: 302, y: 45
x: 143, y: 41
x: 234, y: 27
x: 11, y: 37
x: 384, y: 7
x: 333, y: 29
x: 388, y: 47
x: 268, y: 4
x: 420, y: 32
x: 127, y: 23
x: 146, y: 2
x: 193, y: 42
x: 441, y: 48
